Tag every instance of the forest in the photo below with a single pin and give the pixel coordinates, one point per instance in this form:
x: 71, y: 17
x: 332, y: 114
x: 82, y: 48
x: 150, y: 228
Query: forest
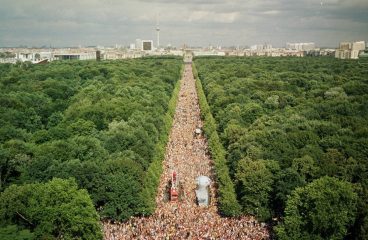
x: 294, y: 136
x: 82, y: 141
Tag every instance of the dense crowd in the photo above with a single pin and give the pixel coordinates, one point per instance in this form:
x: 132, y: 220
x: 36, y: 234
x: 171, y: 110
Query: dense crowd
x: 187, y: 154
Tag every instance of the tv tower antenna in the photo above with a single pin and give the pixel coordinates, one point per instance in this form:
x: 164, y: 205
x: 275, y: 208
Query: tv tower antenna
x: 158, y: 30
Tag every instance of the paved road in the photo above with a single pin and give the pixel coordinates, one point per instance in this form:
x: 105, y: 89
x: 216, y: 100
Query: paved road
x: 188, y: 156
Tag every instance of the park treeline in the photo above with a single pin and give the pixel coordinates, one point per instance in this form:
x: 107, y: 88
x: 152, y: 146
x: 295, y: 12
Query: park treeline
x: 294, y: 135
x: 82, y: 141
x: 227, y: 203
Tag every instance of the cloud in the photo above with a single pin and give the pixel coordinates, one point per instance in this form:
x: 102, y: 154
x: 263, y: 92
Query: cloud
x: 197, y: 22
x: 271, y: 12
x: 206, y: 16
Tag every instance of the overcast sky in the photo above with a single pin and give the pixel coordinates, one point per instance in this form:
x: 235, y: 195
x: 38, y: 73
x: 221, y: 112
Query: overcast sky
x: 194, y: 22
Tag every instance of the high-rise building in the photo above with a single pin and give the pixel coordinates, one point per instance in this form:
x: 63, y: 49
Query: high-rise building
x: 147, y: 45
x: 358, y: 46
x: 143, y: 45
x: 345, y: 46
x: 350, y: 50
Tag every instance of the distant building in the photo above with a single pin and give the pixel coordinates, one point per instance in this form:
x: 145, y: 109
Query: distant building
x: 256, y: 47
x: 301, y: 46
x: 350, y: 50
x: 342, y: 54
x: 345, y: 46
x: 208, y: 53
x: 115, y: 55
x: 25, y: 56
x: 327, y: 52
x: 75, y: 56
x: 142, y: 45
x: 268, y: 51
x: 358, y: 45
x: 147, y: 45
x: 261, y: 47
x: 45, y: 55
x: 357, y: 48
x: 98, y: 55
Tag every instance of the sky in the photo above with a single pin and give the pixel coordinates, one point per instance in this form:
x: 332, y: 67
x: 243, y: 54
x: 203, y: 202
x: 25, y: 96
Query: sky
x: 60, y: 23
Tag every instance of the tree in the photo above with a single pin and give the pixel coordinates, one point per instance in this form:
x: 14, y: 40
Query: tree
x: 57, y: 120
x: 123, y: 187
x: 88, y: 174
x: 273, y: 102
x: 122, y: 197
x: 14, y: 156
x: 89, y: 148
x: 305, y: 167
x: 333, y: 163
x: 254, y: 182
x: 13, y: 232
x: 80, y: 127
x: 310, y: 115
x: 324, y: 209
x: 52, y: 210
x: 286, y: 181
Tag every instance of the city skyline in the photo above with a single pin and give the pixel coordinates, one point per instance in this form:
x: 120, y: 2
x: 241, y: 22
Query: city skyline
x: 192, y: 22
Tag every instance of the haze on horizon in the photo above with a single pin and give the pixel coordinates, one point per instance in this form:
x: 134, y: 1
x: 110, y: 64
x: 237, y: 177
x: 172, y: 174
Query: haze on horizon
x: 194, y: 22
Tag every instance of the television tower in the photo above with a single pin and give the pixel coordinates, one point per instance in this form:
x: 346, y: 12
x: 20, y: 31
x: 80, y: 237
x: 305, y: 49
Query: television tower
x: 158, y: 31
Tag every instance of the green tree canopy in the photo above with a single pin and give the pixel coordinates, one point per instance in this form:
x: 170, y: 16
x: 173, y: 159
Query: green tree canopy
x: 52, y: 210
x: 324, y: 209
x: 254, y: 182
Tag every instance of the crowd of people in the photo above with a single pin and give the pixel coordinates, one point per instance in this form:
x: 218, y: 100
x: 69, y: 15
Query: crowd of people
x: 187, y: 155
